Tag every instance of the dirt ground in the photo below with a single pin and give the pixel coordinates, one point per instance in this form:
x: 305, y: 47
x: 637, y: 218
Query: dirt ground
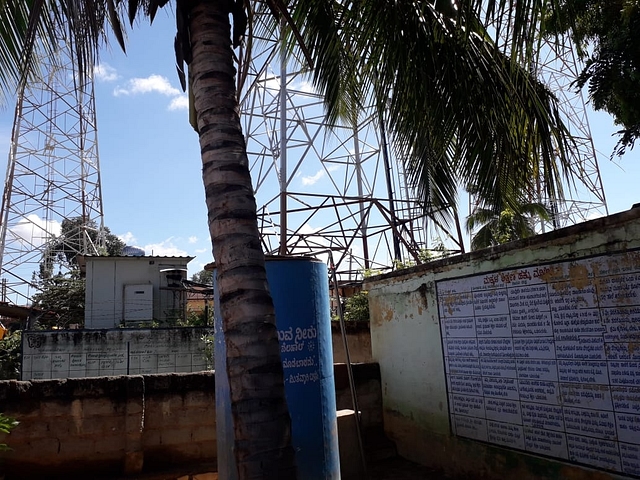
x: 396, y: 468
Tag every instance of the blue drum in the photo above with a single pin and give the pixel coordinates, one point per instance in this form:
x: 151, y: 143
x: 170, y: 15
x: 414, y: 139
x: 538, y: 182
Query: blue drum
x: 300, y: 290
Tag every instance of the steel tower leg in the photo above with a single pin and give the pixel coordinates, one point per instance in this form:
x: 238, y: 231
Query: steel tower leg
x: 53, y: 175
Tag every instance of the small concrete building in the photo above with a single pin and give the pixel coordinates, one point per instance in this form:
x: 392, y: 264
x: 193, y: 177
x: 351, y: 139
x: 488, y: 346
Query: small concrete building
x: 134, y: 290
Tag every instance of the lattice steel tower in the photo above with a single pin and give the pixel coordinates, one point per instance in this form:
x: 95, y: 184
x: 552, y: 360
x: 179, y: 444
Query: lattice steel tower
x: 53, y: 174
x: 319, y: 187
x: 558, y: 67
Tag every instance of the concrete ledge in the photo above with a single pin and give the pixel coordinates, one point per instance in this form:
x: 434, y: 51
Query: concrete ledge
x: 351, y: 467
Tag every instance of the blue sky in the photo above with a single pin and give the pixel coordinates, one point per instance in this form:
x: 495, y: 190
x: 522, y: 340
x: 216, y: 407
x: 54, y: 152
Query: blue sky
x: 149, y: 154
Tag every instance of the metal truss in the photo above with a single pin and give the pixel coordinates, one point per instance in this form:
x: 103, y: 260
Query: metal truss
x: 53, y: 174
x: 585, y: 199
x: 321, y: 186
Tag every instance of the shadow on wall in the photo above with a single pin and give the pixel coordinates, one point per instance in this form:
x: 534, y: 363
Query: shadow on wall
x: 358, y: 339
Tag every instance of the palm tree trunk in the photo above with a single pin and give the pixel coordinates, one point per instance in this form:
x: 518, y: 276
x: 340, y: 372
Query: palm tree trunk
x: 259, y: 411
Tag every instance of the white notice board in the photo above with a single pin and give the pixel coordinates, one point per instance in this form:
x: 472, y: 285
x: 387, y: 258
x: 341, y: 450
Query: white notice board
x: 546, y: 359
x: 122, y: 351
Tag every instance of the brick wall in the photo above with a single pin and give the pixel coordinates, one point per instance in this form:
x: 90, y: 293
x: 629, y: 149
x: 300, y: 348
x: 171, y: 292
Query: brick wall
x: 82, y: 428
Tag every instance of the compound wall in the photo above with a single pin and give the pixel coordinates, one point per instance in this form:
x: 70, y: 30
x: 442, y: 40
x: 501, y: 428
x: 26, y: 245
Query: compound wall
x: 104, y: 427
x: 517, y: 361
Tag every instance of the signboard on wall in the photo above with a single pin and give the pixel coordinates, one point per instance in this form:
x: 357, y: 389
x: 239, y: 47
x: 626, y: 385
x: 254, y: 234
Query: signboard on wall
x: 96, y: 353
x: 546, y: 359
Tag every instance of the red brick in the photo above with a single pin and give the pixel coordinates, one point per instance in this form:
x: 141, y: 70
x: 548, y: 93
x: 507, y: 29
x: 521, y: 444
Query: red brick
x: 176, y: 437
x: 77, y: 447
x: 199, y: 399
x: 200, y: 434
x: 151, y: 437
x: 110, y: 443
x: 53, y: 408
x: 100, y: 407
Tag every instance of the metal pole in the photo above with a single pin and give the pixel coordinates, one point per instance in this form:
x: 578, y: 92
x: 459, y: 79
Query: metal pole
x: 363, y: 220
x: 283, y: 152
x: 352, y: 386
x: 387, y: 170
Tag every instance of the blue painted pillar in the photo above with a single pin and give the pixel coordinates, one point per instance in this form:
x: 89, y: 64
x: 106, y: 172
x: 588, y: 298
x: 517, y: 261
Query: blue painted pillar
x: 300, y: 290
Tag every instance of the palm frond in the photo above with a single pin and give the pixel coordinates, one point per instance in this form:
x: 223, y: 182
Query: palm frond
x: 483, y: 238
x: 23, y: 31
x: 494, y: 122
x: 317, y: 29
x: 480, y: 216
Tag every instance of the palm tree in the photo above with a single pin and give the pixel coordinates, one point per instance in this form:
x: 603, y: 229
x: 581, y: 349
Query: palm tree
x: 505, y: 225
x: 456, y: 107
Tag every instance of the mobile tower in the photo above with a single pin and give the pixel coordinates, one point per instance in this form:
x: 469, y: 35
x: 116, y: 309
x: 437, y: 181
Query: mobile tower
x: 53, y: 177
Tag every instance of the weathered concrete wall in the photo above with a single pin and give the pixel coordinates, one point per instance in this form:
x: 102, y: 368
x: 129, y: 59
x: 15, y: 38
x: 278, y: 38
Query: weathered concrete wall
x: 368, y: 393
x: 406, y: 342
x: 358, y: 340
x: 106, y: 426
x: 140, y: 351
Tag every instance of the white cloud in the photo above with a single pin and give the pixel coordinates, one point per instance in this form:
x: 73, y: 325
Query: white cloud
x: 307, y: 229
x: 34, y: 231
x: 303, y: 86
x: 202, y: 250
x: 150, y: 84
x: 105, y: 73
x: 165, y: 248
x: 193, y: 239
x: 311, y: 180
x: 269, y: 81
x: 154, y: 84
x: 179, y: 103
x: 312, y: 241
x: 128, y: 238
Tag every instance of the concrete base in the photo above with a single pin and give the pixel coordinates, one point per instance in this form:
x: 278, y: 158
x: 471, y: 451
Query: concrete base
x: 351, y: 467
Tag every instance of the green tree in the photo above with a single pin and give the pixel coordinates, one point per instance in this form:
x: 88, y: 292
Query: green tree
x: 606, y: 33
x: 62, y: 294
x: 6, y: 425
x: 10, y: 357
x: 61, y: 290
x: 203, y: 276
x: 356, y: 307
x: 498, y: 226
x: 456, y: 107
x: 78, y: 236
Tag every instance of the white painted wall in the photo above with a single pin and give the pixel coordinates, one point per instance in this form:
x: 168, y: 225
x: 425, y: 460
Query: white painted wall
x: 406, y: 342
x: 106, y: 278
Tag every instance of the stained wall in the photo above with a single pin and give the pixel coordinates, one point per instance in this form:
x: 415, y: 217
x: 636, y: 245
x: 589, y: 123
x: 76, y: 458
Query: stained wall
x: 104, y: 427
x: 407, y: 342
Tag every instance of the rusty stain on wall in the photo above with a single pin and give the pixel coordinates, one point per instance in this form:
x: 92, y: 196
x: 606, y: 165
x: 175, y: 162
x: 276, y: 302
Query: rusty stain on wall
x: 379, y: 313
x: 424, y: 395
x: 579, y: 276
